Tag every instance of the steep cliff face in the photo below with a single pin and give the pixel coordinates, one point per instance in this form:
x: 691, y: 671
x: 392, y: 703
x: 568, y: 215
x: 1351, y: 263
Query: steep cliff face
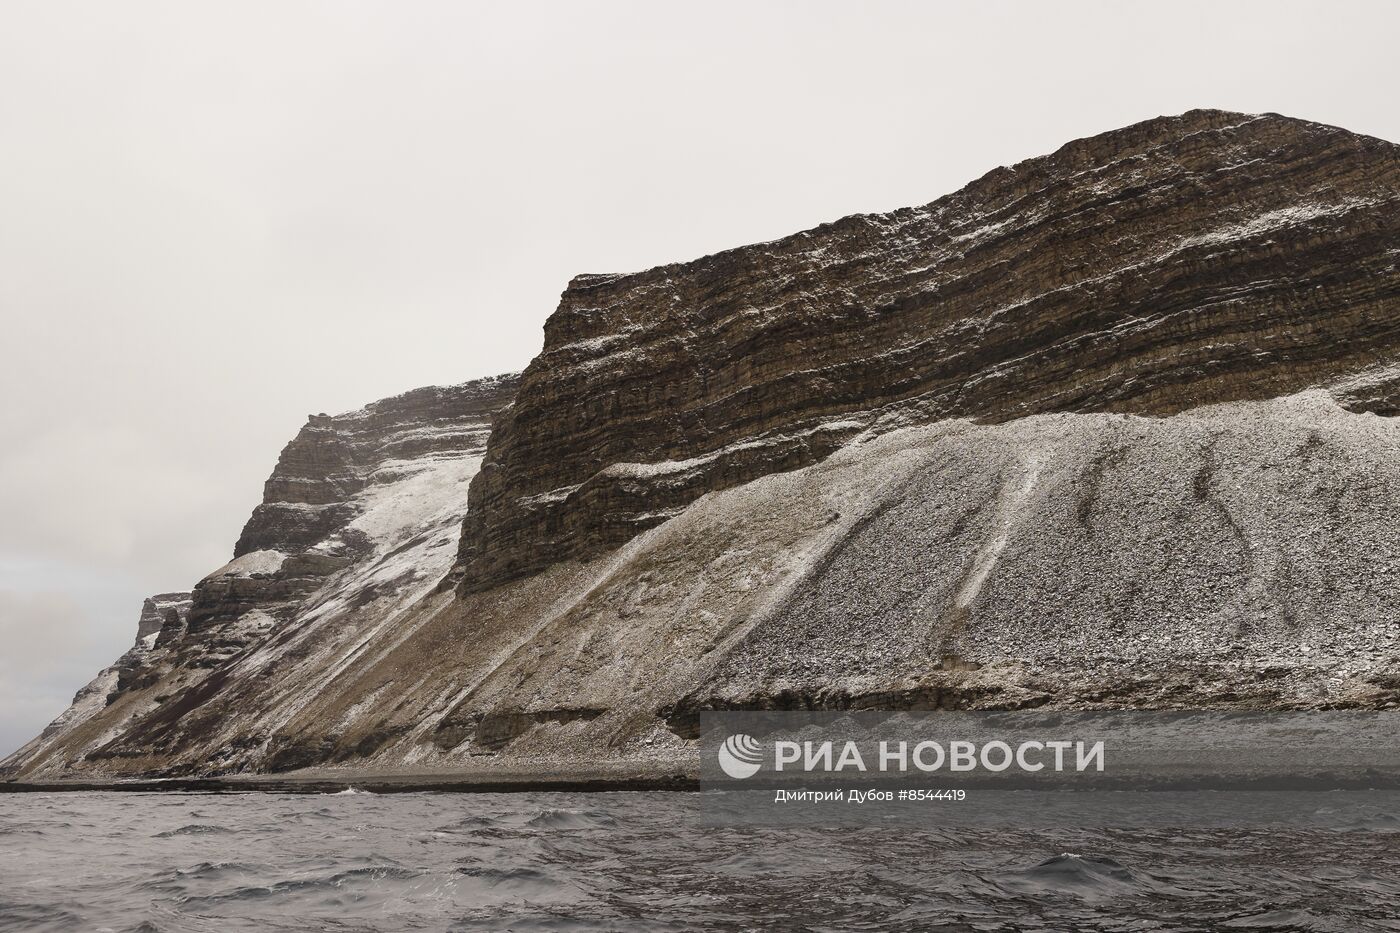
x: 1110, y: 428
x: 359, y: 518
x: 348, y: 490
x: 163, y: 622
x: 1186, y: 260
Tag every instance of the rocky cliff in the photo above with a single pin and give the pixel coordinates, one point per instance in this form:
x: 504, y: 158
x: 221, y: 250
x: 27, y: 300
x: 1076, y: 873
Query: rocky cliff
x: 1111, y: 427
x: 358, y: 519
x: 162, y: 619
x: 1202, y: 258
x: 349, y: 491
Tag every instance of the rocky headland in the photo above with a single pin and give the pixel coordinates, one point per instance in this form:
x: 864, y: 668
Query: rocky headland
x: 1112, y: 427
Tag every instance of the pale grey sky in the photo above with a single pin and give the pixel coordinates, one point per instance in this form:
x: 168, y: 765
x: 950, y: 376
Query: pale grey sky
x: 216, y: 218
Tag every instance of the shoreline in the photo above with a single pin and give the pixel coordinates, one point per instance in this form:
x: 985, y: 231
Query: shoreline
x: 373, y: 782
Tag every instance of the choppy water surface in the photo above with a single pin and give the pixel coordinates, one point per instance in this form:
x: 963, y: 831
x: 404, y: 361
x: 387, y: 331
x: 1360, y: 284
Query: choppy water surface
x: 129, y: 862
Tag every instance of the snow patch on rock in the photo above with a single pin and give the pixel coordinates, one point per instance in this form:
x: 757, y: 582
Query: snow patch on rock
x: 251, y: 563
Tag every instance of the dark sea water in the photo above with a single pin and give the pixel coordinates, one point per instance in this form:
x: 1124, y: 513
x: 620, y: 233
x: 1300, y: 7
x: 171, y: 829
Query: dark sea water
x: 638, y: 861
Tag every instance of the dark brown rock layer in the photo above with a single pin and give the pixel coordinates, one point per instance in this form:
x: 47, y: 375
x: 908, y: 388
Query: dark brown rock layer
x: 1186, y: 260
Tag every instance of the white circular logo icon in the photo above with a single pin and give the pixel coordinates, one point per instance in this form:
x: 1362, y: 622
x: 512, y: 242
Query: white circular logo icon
x: 740, y: 756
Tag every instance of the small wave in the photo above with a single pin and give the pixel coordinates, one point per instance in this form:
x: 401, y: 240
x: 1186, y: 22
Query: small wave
x: 466, y: 824
x: 216, y: 870
x: 1085, y: 876
x: 1281, y: 919
x: 37, y: 916
x: 177, y: 880
x: 493, y: 920
x: 193, y: 829
x: 571, y: 819
x: 519, y: 884
x: 504, y: 875
x: 1374, y: 823
x: 145, y: 926
x: 349, y: 791
x: 338, y: 881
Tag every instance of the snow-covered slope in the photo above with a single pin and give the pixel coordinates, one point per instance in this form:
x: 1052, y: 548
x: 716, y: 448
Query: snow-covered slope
x: 360, y: 518
x: 1233, y: 555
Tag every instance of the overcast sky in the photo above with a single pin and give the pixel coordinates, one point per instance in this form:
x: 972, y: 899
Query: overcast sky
x: 216, y: 218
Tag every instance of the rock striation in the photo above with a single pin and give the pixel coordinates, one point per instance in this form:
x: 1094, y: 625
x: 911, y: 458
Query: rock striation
x: 164, y: 620
x: 1186, y: 260
x: 359, y: 516
x: 1113, y: 427
x: 327, y: 506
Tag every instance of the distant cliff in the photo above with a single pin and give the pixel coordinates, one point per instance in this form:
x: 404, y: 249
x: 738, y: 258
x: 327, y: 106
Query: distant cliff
x: 359, y: 518
x: 349, y: 491
x: 161, y: 622
x: 1112, y: 427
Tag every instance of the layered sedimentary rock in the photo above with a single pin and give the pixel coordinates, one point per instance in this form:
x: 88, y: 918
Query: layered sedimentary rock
x: 1109, y: 428
x: 359, y: 518
x: 163, y: 622
x: 347, y: 490
x: 1186, y: 260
